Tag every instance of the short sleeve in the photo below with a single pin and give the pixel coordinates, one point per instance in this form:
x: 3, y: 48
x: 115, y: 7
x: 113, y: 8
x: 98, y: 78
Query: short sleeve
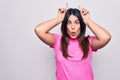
x: 56, y: 36
x: 91, y: 38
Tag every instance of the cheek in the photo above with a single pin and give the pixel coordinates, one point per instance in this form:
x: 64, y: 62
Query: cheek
x: 68, y: 29
x: 78, y: 28
x: 78, y: 31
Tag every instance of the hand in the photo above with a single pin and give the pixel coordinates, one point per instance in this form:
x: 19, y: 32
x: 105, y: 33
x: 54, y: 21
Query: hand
x: 62, y: 12
x: 85, y: 15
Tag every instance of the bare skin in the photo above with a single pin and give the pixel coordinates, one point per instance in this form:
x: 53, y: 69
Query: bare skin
x: 73, y: 26
x: 102, y: 35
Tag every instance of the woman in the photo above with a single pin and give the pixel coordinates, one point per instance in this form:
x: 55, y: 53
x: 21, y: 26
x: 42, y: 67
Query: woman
x: 73, y: 50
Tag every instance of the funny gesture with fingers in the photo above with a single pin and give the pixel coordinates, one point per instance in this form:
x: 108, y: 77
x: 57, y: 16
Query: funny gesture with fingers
x: 62, y: 12
x: 85, y: 14
x: 73, y: 27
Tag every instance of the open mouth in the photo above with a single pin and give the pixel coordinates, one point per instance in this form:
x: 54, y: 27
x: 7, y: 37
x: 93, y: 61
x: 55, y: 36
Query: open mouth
x: 73, y: 33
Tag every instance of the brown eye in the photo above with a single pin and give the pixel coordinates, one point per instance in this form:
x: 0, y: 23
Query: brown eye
x: 77, y: 22
x: 68, y: 22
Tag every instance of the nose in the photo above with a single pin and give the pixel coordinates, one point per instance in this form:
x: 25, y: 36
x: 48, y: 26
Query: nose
x: 73, y: 26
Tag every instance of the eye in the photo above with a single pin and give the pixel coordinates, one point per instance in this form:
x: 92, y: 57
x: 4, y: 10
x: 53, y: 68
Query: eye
x: 68, y: 22
x: 77, y: 22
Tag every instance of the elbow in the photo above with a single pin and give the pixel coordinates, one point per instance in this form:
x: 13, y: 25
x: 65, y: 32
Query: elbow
x: 107, y: 38
x: 37, y: 30
x: 110, y: 37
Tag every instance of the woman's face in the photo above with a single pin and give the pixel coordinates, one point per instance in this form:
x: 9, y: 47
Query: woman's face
x: 73, y: 27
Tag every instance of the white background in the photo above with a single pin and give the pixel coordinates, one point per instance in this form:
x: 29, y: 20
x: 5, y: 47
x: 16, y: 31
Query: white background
x: 24, y: 57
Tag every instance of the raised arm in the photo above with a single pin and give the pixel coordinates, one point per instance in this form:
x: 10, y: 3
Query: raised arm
x: 42, y: 30
x: 102, y: 35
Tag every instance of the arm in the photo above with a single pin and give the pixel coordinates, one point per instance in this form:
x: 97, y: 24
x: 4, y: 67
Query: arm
x: 102, y: 35
x: 42, y: 30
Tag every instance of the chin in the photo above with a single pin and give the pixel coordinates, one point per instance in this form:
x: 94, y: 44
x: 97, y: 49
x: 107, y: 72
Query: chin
x: 73, y: 37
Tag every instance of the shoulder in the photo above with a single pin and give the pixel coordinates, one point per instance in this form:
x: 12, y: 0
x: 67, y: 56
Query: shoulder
x: 91, y: 38
x: 57, y: 38
x: 57, y: 35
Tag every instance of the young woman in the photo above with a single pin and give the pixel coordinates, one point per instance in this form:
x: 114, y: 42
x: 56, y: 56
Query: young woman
x: 73, y: 50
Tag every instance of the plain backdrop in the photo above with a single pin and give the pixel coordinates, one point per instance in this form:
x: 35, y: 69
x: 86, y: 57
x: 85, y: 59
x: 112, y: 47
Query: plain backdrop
x: 24, y: 57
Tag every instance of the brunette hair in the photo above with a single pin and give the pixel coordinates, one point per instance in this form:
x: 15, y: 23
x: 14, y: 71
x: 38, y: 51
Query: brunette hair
x: 83, y: 41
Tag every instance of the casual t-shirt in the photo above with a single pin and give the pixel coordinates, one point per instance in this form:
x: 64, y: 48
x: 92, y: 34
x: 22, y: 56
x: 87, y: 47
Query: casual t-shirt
x: 73, y: 68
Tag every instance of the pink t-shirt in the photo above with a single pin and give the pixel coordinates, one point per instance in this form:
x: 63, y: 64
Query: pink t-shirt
x: 74, y: 68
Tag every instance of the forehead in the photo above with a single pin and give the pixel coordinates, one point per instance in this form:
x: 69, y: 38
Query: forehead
x: 73, y: 18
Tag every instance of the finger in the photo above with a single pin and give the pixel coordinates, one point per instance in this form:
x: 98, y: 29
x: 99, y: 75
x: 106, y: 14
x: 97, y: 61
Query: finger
x: 66, y: 6
x: 80, y: 8
x: 83, y: 11
x: 86, y: 12
x: 62, y: 10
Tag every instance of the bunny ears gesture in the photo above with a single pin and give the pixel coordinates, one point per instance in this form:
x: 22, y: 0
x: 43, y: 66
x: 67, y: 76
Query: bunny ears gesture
x: 82, y: 10
x: 62, y: 11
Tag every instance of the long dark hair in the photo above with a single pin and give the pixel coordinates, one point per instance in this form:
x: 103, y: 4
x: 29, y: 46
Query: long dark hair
x: 83, y: 41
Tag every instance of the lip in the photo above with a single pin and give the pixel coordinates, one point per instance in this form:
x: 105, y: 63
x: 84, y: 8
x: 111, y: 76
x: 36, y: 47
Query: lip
x: 73, y: 33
